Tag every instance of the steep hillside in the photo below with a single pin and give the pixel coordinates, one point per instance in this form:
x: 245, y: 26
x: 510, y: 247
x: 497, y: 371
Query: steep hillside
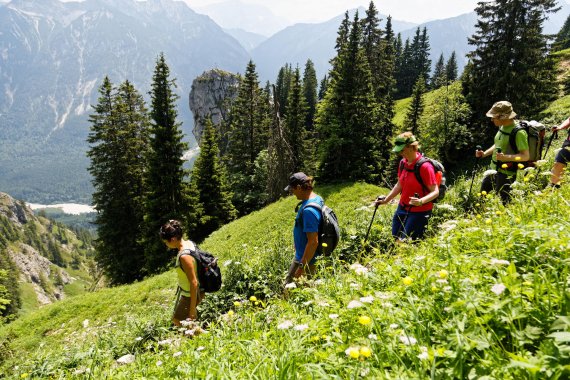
x: 482, y: 296
x: 46, y: 261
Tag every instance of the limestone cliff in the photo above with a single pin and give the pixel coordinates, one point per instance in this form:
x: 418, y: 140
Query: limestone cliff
x: 212, y: 95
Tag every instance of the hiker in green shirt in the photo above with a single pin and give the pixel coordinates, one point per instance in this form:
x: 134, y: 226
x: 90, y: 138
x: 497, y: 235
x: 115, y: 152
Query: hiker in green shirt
x: 504, y: 158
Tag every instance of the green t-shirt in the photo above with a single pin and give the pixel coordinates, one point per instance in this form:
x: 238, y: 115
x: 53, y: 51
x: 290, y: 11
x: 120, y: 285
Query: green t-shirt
x: 502, y: 142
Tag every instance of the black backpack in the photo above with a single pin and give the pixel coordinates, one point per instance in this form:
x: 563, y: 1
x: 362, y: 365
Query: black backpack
x: 329, y: 230
x: 209, y: 274
x: 439, y: 171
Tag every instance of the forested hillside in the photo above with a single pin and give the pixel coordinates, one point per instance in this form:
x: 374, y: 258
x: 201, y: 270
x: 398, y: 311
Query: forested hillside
x: 41, y: 261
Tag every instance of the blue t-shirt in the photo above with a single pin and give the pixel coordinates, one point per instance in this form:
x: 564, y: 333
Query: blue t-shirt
x: 311, y: 220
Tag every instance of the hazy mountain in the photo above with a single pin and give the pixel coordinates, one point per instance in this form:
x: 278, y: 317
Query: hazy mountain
x: 234, y: 14
x: 296, y: 43
x: 53, y: 57
x: 248, y: 40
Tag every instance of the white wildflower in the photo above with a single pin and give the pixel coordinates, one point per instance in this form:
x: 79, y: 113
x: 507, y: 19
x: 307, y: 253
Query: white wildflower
x: 164, y: 342
x: 448, y: 225
x: 86, y: 323
x: 228, y: 263
x: 489, y: 172
x: 517, y: 192
x: 354, y: 285
x: 408, y: 340
x: 359, y: 269
x: 499, y: 262
x: 447, y: 289
x: 126, y: 359
x: 354, y: 304
x: 318, y: 282
x: 159, y: 363
x: 353, y: 237
x: 384, y: 296
x: 547, y: 173
x: 424, y: 353
x: 323, y: 304
x: 364, y: 372
x: 285, y: 325
x: 367, y: 299
x: 394, y: 326
x: 362, y: 208
x: 498, y: 289
x: 333, y: 316
x: 447, y: 309
x: 291, y: 285
x: 372, y: 337
x: 387, y: 305
x: 237, y: 263
x: 445, y: 206
x: 529, y: 169
x: 138, y: 338
x: 177, y: 354
x: 301, y: 327
x: 419, y: 258
x: 244, y: 245
x: 307, y: 303
x: 441, y: 281
x: 201, y: 348
x: 540, y: 163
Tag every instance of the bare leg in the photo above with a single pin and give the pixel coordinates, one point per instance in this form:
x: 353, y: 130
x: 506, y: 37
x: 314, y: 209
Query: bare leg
x: 557, y: 170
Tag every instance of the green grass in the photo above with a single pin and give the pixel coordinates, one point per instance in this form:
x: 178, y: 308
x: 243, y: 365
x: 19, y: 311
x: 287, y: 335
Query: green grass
x: 484, y: 296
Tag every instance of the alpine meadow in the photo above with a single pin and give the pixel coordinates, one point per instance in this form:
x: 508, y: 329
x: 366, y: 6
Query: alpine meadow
x: 482, y: 293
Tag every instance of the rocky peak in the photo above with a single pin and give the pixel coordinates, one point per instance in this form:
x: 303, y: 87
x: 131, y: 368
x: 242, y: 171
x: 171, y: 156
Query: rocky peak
x: 212, y: 95
x: 16, y: 211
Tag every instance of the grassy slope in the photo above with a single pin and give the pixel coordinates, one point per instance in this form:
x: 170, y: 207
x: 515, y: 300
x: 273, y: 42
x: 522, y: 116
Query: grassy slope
x: 460, y: 325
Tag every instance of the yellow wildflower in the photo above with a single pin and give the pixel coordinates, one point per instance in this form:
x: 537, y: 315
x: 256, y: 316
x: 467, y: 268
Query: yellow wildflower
x: 517, y: 158
x: 325, y: 245
x: 520, y: 166
x: 407, y: 280
x: 237, y: 304
x: 253, y: 298
x: 504, y: 166
x: 443, y: 273
x: 365, y: 351
x: 364, y: 320
x: 230, y: 313
x: 352, y: 352
x: 517, y: 220
x: 488, y: 221
x: 483, y: 193
x: 498, y: 212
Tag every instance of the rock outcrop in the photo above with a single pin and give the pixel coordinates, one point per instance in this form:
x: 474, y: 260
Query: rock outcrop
x: 212, y: 95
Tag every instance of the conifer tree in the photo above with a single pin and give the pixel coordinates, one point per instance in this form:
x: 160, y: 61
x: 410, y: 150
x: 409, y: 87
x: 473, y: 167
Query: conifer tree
x: 347, y: 119
x: 282, y: 86
x: 416, y: 107
x: 451, y: 68
x: 562, y: 40
x: 166, y: 194
x: 509, y: 60
x: 248, y: 136
x: 323, y: 87
x: 439, y: 77
x: 119, y: 145
x: 295, y: 129
x: 310, y: 85
x: 209, y: 183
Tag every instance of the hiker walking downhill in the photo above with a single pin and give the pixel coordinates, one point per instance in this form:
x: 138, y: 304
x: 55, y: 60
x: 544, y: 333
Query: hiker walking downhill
x: 306, y: 229
x: 562, y: 157
x: 190, y: 294
x: 415, y: 206
x: 504, y: 159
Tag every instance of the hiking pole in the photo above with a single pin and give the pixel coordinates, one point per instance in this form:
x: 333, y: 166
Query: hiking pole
x: 381, y: 198
x: 555, y: 133
x: 478, y: 147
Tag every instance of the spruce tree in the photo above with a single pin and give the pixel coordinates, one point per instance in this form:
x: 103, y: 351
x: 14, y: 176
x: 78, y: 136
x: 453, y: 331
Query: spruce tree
x: 209, y: 183
x: 509, y: 60
x: 248, y: 136
x: 282, y: 85
x: 451, y: 68
x: 166, y: 195
x: 562, y: 40
x: 347, y: 119
x: 295, y: 129
x: 439, y: 77
x: 416, y: 107
x: 119, y: 144
x: 310, y: 85
x: 323, y: 87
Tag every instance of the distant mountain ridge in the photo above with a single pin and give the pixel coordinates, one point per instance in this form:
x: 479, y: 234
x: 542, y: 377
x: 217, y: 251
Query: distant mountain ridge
x: 53, y: 58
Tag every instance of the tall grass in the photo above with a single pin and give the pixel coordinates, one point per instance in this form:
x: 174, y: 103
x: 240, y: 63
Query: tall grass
x: 484, y: 296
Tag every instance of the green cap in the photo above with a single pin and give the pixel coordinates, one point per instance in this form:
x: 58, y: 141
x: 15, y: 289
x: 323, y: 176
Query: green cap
x: 401, y: 142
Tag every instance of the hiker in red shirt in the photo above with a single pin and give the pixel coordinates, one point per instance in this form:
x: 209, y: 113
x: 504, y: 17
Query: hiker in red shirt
x: 414, y: 209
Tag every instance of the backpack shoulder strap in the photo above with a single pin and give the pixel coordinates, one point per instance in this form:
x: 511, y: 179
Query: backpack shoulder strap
x: 187, y: 252
x: 417, y: 167
x: 313, y: 205
x: 513, y: 137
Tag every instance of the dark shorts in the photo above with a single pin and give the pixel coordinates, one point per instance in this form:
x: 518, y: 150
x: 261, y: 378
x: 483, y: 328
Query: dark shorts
x: 500, y: 183
x: 409, y: 224
x: 182, y: 310
x: 563, y: 156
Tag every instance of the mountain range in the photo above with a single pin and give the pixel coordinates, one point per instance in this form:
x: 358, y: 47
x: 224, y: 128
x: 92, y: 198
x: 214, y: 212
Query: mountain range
x: 54, y: 55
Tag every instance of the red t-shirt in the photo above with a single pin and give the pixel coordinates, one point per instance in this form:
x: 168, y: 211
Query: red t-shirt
x: 410, y: 184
